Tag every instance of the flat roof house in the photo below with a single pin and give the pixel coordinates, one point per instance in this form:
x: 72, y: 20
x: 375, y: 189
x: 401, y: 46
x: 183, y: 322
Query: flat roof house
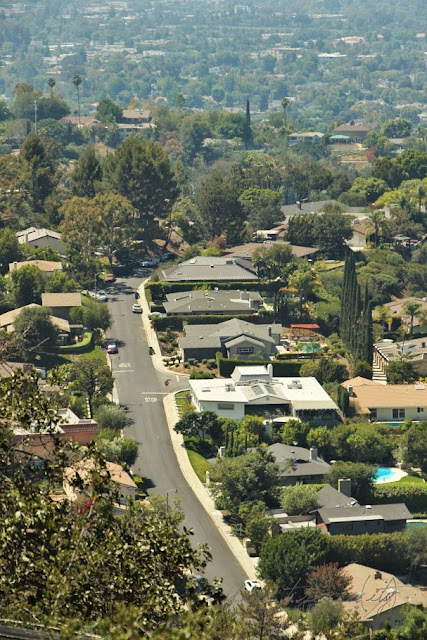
x: 254, y: 390
x: 210, y: 269
x: 212, y: 302
x: 61, y: 303
x: 234, y: 338
x: 379, y: 598
x: 385, y: 403
x: 309, y: 136
x: 387, y: 351
x: 355, y: 132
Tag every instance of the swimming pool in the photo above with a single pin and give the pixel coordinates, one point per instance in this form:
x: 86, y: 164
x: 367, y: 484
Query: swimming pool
x: 388, y: 474
x: 310, y: 347
x: 416, y: 525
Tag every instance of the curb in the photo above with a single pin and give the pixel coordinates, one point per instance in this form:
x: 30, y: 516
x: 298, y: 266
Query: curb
x: 200, y: 492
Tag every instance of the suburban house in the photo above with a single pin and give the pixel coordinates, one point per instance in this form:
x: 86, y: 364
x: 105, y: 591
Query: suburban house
x: 385, y: 403
x: 234, y: 338
x: 212, y: 302
x: 379, y: 598
x: 8, y: 369
x: 46, y: 267
x: 65, y: 329
x: 310, y: 136
x: 355, y: 520
x: 81, y: 121
x: 254, y: 390
x: 415, y: 350
x: 118, y: 475
x: 135, y: 116
x: 354, y: 132
x: 298, y: 465
x: 61, y: 303
x: 41, y: 239
x: 395, y: 310
x: 70, y: 427
x: 213, y: 269
x: 247, y: 250
x: 271, y: 234
x: 362, y: 231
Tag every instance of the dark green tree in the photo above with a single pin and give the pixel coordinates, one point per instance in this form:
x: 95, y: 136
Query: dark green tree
x: 361, y: 476
x: 247, y: 133
x: 38, y: 332
x: 86, y: 174
x: 107, y: 111
x: 220, y: 210
x: 10, y: 250
x: 93, y: 378
x: 27, y: 285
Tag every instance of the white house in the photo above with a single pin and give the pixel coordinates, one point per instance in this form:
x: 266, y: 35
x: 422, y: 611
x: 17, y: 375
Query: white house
x: 254, y: 390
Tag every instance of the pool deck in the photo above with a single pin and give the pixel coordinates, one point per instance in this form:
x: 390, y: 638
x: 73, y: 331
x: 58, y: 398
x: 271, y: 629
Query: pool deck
x: 398, y: 474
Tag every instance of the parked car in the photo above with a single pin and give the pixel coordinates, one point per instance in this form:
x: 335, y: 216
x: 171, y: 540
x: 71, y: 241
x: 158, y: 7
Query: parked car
x: 167, y: 256
x: 102, y: 296
x: 150, y: 262
x: 112, y: 347
x: 151, y: 351
x: 250, y: 585
x: 110, y: 277
x: 136, y: 308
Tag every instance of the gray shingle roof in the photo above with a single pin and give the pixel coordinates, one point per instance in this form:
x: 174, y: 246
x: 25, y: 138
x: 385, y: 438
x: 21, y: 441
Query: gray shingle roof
x: 301, y: 463
x: 205, y: 268
x: 388, y: 512
x: 211, y: 301
x: 243, y: 338
x: 328, y: 497
x: 210, y: 335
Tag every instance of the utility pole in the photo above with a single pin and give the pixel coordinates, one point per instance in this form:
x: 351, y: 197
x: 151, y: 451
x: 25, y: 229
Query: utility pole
x: 35, y: 116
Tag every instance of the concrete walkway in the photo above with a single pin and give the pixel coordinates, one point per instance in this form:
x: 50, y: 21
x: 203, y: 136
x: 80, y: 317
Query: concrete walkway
x: 152, y: 336
x: 247, y: 563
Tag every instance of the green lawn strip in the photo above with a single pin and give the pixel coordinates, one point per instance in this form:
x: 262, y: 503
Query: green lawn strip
x: 409, y: 479
x: 198, y: 452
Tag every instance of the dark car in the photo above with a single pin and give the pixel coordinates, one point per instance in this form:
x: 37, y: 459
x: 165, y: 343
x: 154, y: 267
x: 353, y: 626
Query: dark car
x: 110, y: 277
x: 151, y: 351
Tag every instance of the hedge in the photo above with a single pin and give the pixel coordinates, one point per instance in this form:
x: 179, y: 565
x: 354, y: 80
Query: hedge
x: 80, y: 347
x: 384, y: 551
x: 177, y: 322
x: 281, y: 369
x: 158, y: 290
x: 413, y: 495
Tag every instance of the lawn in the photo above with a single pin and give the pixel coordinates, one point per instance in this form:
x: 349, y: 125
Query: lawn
x: 181, y: 400
x: 409, y: 479
x: 198, y: 452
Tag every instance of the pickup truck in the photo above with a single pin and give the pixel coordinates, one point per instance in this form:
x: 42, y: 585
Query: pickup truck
x: 150, y: 262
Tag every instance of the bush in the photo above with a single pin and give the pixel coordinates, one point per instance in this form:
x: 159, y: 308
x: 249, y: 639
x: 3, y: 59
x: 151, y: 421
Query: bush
x: 212, y: 364
x: 285, y: 368
x: 200, y: 375
x: 413, y: 495
x: 80, y: 347
x: 186, y: 365
x: 384, y: 551
x: 110, y: 416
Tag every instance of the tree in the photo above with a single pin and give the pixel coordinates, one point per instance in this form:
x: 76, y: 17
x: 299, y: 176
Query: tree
x: 300, y: 499
x: 117, y: 449
x: 411, y: 308
x: 220, y: 210
x: 371, y: 188
x: 400, y: 372
x: 254, y: 427
x: 330, y: 231
x: 80, y: 229
x: 92, y: 377
x: 27, y: 285
x: 273, y: 261
x: 245, y: 478
x: 288, y: 559
x: 59, y: 282
x: 361, y: 476
x: 116, y: 215
x: 247, y: 131
x: 325, y: 616
x: 140, y: 171
x: 396, y: 128
x: 301, y: 230
x: 51, y: 82
x: 260, y: 615
x: 10, y: 250
x: 37, y: 330
x: 76, y: 80
x: 96, y: 315
x: 262, y: 207
x: 40, y: 166
x: 414, y: 445
x: 328, y: 581
x: 111, y: 416
x: 108, y: 112
x: 86, y: 174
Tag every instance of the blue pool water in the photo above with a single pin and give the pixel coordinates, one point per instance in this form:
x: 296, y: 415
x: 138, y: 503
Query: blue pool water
x: 384, y: 474
x: 310, y: 347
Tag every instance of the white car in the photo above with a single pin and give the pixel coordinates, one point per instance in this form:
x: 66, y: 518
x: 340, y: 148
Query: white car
x: 250, y: 585
x: 136, y: 308
x: 102, y: 296
x: 150, y: 262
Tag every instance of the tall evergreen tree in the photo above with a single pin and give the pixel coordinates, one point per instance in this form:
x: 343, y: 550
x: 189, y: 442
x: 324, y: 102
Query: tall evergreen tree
x: 87, y: 172
x: 247, y: 135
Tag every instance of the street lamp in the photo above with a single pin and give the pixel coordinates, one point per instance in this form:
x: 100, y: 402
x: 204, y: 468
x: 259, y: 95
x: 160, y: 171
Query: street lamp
x: 167, y: 498
x: 96, y: 277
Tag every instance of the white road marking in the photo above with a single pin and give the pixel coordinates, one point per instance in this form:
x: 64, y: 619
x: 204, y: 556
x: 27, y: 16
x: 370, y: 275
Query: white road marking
x: 154, y: 393
x: 150, y: 399
x: 124, y: 365
x: 123, y: 370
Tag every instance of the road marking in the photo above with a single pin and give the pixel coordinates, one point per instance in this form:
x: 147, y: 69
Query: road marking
x: 154, y: 393
x: 150, y: 399
x: 123, y: 370
x: 124, y: 365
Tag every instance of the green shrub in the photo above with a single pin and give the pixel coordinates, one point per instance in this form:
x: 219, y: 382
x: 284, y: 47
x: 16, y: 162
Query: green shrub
x: 212, y: 363
x: 204, y: 361
x: 80, y: 347
x: 186, y: 365
x: 110, y: 416
x: 192, y: 361
x: 384, y: 551
x: 200, y: 375
x: 413, y: 495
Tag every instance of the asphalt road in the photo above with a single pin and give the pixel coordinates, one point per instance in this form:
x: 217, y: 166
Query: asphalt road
x: 141, y: 389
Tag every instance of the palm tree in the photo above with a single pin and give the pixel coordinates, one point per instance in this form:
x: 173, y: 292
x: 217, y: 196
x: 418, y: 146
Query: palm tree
x: 382, y: 315
x: 51, y: 82
x: 422, y: 317
x: 411, y: 309
x: 375, y: 225
x: 77, y: 82
x: 285, y: 103
x: 421, y: 194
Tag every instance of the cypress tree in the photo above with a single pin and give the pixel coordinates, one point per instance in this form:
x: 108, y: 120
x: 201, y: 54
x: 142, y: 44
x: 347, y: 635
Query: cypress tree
x: 247, y: 134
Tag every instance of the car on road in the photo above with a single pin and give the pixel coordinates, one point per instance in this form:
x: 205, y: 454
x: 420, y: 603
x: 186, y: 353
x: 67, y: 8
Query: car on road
x: 150, y: 262
x: 250, y: 585
x: 110, y: 277
x: 167, y: 256
x: 112, y: 347
x: 136, y: 308
x: 102, y: 296
x: 151, y: 351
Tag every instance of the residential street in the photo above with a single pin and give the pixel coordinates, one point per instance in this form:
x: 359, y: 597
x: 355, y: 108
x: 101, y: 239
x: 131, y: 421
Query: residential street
x: 141, y: 389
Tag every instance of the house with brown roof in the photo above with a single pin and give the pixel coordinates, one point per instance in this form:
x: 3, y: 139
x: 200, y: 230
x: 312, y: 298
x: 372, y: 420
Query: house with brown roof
x: 7, y: 321
x: 61, y: 303
x: 379, y: 598
x: 135, y: 116
x: 396, y: 311
x: 46, y: 267
x: 385, y: 403
x: 248, y: 249
x: 355, y: 132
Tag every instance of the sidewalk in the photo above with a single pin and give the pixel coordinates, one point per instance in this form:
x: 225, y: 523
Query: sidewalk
x: 152, y: 336
x: 247, y: 563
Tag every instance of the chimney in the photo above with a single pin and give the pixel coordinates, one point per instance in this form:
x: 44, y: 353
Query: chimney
x: 270, y: 371
x: 244, y: 295
x: 27, y: 368
x: 299, y: 205
x: 269, y: 331
x: 313, y: 454
x: 15, y: 265
x: 221, y: 452
x: 344, y: 486
x: 350, y: 390
x: 377, y: 575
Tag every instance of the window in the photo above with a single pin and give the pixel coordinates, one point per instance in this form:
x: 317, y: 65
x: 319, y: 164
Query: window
x: 398, y: 414
x: 245, y: 349
x: 226, y: 406
x: 373, y: 414
x: 420, y: 409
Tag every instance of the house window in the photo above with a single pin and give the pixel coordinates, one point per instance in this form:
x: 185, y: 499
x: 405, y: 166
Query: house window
x: 245, y: 349
x: 420, y: 409
x: 373, y: 414
x: 398, y: 414
x: 226, y: 406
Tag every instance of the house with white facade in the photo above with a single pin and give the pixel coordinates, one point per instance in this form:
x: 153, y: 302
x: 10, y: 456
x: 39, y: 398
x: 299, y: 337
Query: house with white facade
x: 253, y: 390
x: 385, y: 403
